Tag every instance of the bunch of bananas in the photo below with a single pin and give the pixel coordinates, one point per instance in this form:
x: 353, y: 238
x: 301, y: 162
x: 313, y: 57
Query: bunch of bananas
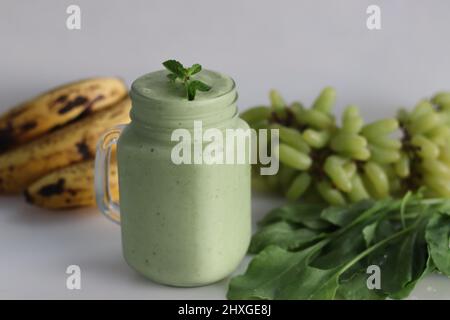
x: 322, y: 160
x: 47, y: 144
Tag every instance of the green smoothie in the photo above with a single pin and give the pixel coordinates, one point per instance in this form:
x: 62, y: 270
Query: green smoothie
x: 187, y: 224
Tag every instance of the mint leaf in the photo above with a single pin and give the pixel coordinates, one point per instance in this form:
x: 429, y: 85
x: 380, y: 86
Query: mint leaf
x: 184, y: 74
x: 195, y: 68
x: 201, y: 86
x: 191, y: 90
x: 175, y: 67
x: 195, y: 85
x: 172, y: 76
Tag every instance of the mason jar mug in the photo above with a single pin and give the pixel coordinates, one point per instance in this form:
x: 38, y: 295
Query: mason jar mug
x: 185, y: 221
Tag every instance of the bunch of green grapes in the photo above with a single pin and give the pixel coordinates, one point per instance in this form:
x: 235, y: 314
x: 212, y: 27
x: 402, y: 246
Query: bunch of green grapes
x: 319, y: 159
x: 425, y: 153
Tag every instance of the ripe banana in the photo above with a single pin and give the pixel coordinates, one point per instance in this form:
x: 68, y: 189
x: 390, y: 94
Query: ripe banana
x: 57, y: 107
x: 73, y: 143
x: 69, y: 187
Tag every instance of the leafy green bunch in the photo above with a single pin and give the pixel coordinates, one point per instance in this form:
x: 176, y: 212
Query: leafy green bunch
x: 179, y: 72
x: 309, y: 251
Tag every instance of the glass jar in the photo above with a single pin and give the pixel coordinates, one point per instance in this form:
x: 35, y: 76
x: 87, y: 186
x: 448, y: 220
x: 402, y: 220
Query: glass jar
x: 182, y: 224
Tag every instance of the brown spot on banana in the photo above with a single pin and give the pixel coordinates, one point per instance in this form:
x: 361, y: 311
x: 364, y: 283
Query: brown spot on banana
x: 28, y: 125
x: 52, y: 189
x: 84, y: 151
x: 6, y: 136
x: 58, y: 107
x: 76, y: 191
x: 77, y: 102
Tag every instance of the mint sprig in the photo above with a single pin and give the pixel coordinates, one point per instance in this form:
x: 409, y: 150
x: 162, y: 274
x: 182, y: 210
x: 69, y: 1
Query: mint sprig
x: 178, y: 71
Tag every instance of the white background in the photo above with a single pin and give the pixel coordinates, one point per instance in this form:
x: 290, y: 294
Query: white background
x: 295, y: 46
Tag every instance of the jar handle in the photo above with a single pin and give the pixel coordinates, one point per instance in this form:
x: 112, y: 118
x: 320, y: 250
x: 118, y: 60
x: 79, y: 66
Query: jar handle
x: 105, y: 203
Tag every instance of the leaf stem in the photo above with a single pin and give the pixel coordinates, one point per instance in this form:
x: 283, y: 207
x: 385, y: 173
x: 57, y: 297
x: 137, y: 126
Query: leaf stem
x: 375, y: 247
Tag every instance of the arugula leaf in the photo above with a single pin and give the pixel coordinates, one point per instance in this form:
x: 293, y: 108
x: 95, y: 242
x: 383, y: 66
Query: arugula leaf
x: 355, y: 288
x: 396, y: 263
x: 282, y: 234
x: 343, y: 215
x: 298, y: 213
x: 369, y: 232
x: 437, y: 236
x: 271, y: 273
x: 343, y: 247
x: 316, y: 253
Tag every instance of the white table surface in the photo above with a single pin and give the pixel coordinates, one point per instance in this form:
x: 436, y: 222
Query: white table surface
x: 295, y: 46
x: 36, y: 247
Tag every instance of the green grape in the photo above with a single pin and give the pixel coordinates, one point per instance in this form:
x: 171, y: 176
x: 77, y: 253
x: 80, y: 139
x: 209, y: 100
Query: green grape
x: 421, y: 109
x: 292, y: 137
x: 352, y: 121
x: 445, y: 115
x: 441, y: 99
x: 315, y: 119
x: 277, y: 104
x: 358, y: 191
x: 395, y: 186
x: 385, y: 142
x: 444, y: 154
x: 390, y: 171
x: 377, y: 178
x: 276, y: 100
x: 401, y: 167
x: 425, y: 123
x: 325, y: 100
x: 293, y: 158
x: 316, y: 139
x: 380, y: 127
x: 383, y: 155
x: 334, y: 169
x: 297, y: 109
x: 298, y: 186
x: 329, y: 194
x: 348, y: 142
x: 361, y: 154
x: 436, y: 167
x: 427, y: 149
x: 440, y: 135
x: 255, y: 115
x: 439, y: 185
x: 349, y: 168
x: 286, y: 175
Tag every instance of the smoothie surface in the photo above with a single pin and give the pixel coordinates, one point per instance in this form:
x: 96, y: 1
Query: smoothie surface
x: 156, y: 86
